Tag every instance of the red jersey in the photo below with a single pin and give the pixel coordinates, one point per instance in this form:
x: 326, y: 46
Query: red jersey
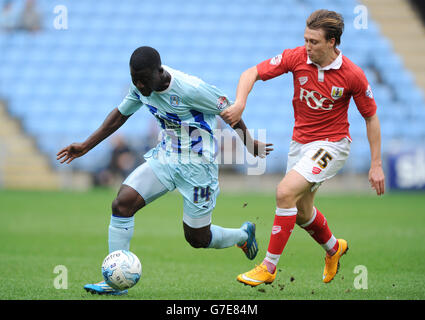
x: 321, y: 95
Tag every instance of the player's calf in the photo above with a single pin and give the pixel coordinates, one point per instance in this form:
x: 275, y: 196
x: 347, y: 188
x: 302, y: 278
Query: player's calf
x: 121, y: 225
x: 213, y: 236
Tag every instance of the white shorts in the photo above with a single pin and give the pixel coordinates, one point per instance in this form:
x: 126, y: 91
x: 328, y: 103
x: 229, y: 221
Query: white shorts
x: 319, y: 160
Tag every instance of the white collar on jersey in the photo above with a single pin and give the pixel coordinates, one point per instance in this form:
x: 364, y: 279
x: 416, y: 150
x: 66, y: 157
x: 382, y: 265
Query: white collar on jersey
x: 336, y: 64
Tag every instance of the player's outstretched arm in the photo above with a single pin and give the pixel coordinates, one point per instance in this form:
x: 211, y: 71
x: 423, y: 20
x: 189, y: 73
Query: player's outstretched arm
x: 255, y: 147
x: 113, y: 121
x: 233, y: 114
x: 376, y: 173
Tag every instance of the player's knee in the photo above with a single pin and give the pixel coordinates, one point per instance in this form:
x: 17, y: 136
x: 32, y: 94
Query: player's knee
x: 127, y: 202
x: 285, y: 198
x: 121, y: 208
x: 198, y: 241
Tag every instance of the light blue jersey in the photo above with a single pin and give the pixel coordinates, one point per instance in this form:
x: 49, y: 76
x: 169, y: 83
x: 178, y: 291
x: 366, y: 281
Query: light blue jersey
x: 186, y: 111
x: 186, y: 156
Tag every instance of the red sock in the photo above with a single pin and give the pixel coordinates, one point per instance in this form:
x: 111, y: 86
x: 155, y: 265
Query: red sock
x: 318, y: 228
x: 283, y: 225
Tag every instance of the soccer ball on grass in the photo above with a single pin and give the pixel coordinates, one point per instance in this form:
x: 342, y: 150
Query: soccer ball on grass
x: 121, y: 269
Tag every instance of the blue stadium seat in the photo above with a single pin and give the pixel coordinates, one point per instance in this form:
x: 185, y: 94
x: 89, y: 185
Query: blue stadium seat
x: 80, y: 74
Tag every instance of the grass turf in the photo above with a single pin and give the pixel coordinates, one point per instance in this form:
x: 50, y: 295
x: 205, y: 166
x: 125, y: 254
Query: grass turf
x: 40, y: 230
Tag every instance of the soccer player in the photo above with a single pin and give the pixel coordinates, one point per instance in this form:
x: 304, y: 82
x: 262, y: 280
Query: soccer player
x: 186, y: 109
x: 324, y: 82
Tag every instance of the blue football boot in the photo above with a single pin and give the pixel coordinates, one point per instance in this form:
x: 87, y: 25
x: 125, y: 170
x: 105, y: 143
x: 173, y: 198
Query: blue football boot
x: 249, y: 247
x: 103, y: 288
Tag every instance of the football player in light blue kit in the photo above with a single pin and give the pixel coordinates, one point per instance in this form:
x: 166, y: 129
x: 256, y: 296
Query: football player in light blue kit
x: 186, y: 109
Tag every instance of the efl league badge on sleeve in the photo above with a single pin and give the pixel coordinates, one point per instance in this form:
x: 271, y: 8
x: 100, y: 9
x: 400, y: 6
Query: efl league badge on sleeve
x: 337, y: 92
x: 222, y: 103
x: 276, y: 60
x: 174, y: 100
x: 369, y: 93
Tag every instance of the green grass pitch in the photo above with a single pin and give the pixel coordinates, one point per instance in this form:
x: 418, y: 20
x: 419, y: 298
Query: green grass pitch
x: 41, y: 230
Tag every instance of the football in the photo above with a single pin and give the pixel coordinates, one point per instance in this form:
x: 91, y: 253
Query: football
x: 121, y: 269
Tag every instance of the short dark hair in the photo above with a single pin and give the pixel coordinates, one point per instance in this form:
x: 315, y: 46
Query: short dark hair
x: 144, y: 58
x: 330, y: 21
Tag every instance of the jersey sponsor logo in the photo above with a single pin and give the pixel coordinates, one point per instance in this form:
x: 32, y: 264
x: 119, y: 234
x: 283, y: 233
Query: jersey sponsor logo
x: 368, y: 92
x: 222, y: 103
x: 276, y: 60
x: 276, y: 229
x: 174, y: 100
x: 303, y: 80
x: 315, y: 100
x: 337, y: 92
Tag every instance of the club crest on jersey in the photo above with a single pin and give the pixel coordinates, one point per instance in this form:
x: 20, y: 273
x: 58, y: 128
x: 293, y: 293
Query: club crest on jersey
x: 337, y: 92
x: 222, y: 103
x: 303, y: 80
x: 276, y: 60
x: 174, y: 100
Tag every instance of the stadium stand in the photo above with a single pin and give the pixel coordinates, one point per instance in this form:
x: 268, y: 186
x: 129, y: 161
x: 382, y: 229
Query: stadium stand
x: 62, y: 83
x: 20, y: 164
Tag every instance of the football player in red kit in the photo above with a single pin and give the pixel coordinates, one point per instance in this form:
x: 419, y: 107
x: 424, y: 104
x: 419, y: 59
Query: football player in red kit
x: 324, y: 82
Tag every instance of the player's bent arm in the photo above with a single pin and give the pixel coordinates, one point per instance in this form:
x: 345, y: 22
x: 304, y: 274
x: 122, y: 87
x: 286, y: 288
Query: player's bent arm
x: 374, y: 136
x: 243, y: 132
x: 245, y: 85
x: 233, y: 114
x: 114, y: 120
x: 376, y: 173
x: 75, y: 150
x: 255, y: 147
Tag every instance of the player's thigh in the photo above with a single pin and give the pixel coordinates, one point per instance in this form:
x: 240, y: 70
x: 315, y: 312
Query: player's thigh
x: 292, y: 188
x: 321, y: 160
x: 138, y: 189
x: 199, y: 187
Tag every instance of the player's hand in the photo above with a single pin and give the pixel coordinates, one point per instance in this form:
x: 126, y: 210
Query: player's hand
x: 233, y: 114
x: 71, y: 152
x: 377, y: 179
x: 260, y: 149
